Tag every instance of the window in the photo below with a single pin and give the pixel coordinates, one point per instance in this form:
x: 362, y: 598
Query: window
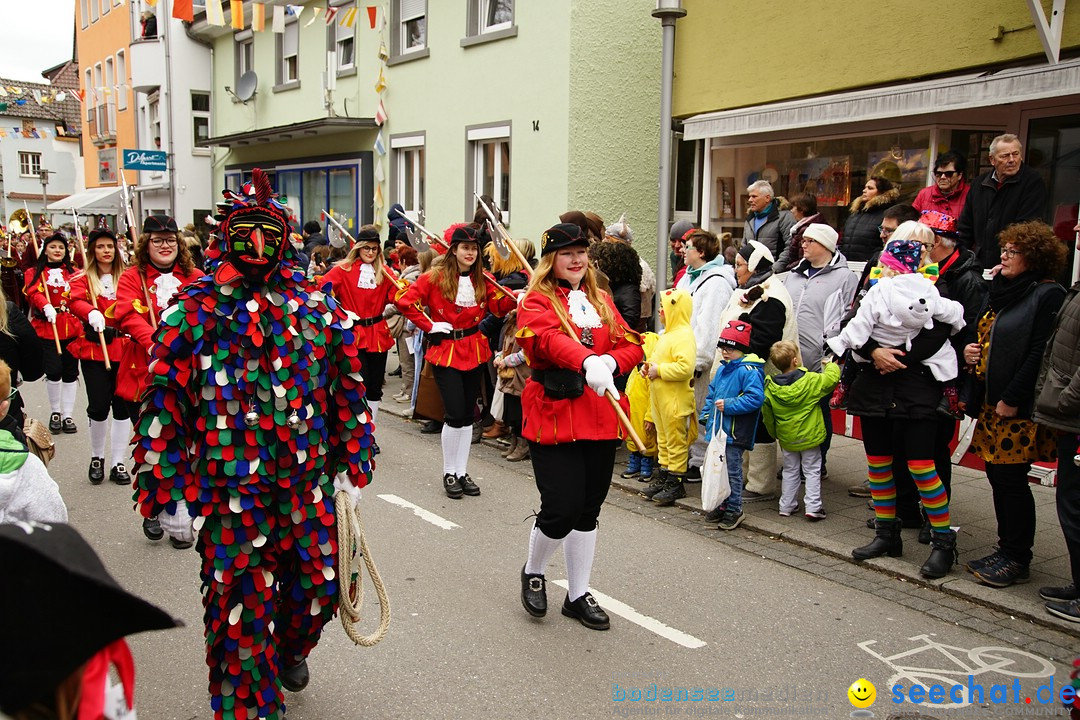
x: 200, y: 115
x: 29, y: 164
x: 153, y: 127
x: 407, y: 182
x: 245, y: 53
x: 121, y: 80
x: 106, y: 6
x: 288, y: 57
x: 84, y: 12
x: 687, y: 154
x: 489, y: 20
x: 490, y: 158
x: 88, y: 94
x: 413, y: 24
x: 344, y: 42
x: 109, y: 92
x: 93, y: 10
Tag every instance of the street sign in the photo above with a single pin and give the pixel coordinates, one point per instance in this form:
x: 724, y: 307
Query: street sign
x: 145, y: 160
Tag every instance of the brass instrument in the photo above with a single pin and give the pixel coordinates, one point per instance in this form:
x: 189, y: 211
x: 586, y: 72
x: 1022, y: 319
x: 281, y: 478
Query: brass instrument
x: 18, y: 225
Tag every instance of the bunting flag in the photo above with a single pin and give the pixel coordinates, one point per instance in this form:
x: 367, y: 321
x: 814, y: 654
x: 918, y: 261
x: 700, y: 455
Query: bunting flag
x: 183, y: 10
x: 380, y: 113
x: 349, y: 18
x: 315, y: 15
x: 331, y: 12
x: 214, y: 14
x: 380, y: 84
x: 379, y: 202
x: 258, y: 17
x: 379, y: 147
x: 3, y: 91
x: 37, y: 95
x: 79, y: 94
x: 237, y: 14
x: 372, y: 14
x: 384, y: 54
x: 151, y: 3
x: 295, y: 11
x: 380, y: 175
x: 278, y: 25
x: 61, y: 96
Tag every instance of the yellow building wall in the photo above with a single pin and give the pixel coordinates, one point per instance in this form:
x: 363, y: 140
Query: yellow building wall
x: 97, y: 41
x: 735, y: 53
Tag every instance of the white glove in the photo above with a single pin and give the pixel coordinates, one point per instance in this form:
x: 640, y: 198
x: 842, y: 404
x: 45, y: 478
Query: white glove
x: 610, y: 361
x: 96, y: 320
x: 442, y: 327
x: 180, y: 525
x: 598, y: 376
x: 50, y: 313
x: 343, y: 484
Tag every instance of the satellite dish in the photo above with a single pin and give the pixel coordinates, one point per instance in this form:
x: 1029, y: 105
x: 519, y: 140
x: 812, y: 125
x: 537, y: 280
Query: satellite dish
x: 246, y: 86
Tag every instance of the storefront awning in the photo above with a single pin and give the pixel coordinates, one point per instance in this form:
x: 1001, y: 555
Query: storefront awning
x: 93, y: 201
x: 932, y: 96
x: 296, y: 131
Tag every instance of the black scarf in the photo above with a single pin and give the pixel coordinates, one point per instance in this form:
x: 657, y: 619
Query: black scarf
x: 1005, y: 291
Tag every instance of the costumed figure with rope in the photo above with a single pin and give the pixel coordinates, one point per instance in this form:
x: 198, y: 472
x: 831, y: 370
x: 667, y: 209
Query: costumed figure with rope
x: 457, y: 297
x: 162, y: 266
x: 576, y: 342
x: 253, y: 419
x: 47, y: 290
x: 99, y: 349
x: 363, y: 285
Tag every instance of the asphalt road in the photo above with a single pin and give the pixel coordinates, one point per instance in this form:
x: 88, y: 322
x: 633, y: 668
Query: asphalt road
x: 687, y: 613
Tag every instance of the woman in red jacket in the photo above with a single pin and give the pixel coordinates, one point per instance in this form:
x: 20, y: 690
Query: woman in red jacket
x: 573, y: 336
x: 361, y: 286
x: 103, y: 268
x: 47, y: 288
x: 456, y: 296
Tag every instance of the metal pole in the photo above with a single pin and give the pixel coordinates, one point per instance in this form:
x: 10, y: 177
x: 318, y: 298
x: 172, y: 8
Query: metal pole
x: 44, y: 175
x: 666, y: 68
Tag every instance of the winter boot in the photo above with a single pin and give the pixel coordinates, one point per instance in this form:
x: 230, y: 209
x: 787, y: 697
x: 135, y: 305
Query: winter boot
x: 510, y: 448
x: 887, y: 541
x: 633, y: 467
x: 646, y: 469
x: 673, y: 491
x: 926, y: 530
x: 942, y: 555
x: 658, y: 483
x: 520, y: 451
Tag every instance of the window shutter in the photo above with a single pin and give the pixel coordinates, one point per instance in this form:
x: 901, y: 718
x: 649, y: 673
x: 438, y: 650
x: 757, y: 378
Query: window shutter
x: 412, y: 9
x: 290, y: 40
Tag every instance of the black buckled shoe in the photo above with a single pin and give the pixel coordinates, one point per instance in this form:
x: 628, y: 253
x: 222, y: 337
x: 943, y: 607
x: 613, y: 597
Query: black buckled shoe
x: 451, y: 486
x: 587, y: 612
x: 533, y: 594
x: 180, y: 544
x: 55, y: 426
x: 119, y: 475
x: 295, y: 678
x: 152, y: 529
x: 69, y: 426
x: 467, y: 485
x: 96, y: 474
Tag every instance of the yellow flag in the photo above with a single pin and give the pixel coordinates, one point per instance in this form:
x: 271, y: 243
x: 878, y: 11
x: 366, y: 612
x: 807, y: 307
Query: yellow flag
x: 237, y: 14
x: 214, y: 14
x: 258, y: 17
x: 349, y: 18
x: 380, y: 84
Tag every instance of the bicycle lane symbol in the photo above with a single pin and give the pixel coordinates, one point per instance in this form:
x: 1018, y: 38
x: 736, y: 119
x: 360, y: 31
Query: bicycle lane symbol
x: 949, y: 665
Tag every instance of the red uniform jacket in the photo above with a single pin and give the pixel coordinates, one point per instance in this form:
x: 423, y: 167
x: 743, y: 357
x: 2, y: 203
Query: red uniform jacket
x: 89, y: 348
x: 41, y: 294
x: 133, y: 318
x: 372, y: 333
x: 547, y: 346
x: 463, y: 353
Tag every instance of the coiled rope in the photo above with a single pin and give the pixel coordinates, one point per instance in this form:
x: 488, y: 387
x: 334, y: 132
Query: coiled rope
x: 351, y: 544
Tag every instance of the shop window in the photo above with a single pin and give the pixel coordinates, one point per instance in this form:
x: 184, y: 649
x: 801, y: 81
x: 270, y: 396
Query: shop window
x: 29, y: 164
x: 408, y: 176
x: 490, y: 166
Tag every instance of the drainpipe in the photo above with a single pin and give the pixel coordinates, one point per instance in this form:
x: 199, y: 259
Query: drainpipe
x: 167, y: 89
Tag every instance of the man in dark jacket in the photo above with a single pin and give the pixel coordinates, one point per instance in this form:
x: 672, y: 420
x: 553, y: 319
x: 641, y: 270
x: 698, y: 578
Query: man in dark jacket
x: 313, y: 236
x: 1010, y: 193
x: 765, y: 221
x: 1058, y: 407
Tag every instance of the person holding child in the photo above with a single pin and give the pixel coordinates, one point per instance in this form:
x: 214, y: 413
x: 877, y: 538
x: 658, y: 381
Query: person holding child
x: 792, y: 414
x: 734, y: 399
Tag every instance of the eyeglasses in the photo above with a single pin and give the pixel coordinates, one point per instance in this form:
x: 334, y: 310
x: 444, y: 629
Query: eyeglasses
x: 369, y: 248
x: 12, y: 394
x: 882, y: 230
x: 944, y: 173
x: 1011, y: 252
x: 163, y: 242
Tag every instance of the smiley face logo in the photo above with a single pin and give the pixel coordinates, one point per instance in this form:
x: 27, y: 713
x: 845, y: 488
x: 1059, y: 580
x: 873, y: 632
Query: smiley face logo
x: 862, y: 693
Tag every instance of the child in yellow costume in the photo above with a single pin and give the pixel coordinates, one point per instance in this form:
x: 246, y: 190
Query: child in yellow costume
x: 640, y: 465
x: 671, y: 369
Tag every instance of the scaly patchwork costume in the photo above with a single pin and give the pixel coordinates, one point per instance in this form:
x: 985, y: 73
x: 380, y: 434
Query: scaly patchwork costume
x: 255, y: 403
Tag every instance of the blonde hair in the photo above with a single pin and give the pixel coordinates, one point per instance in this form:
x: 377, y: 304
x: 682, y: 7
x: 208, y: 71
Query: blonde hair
x: 354, y: 253
x: 504, y: 266
x: 544, y: 283
x: 783, y: 354
x: 93, y: 278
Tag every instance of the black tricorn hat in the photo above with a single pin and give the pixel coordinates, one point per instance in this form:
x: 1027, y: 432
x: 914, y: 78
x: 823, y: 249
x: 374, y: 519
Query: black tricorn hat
x: 562, y: 235
x: 465, y: 233
x: 59, y: 608
x: 159, y: 223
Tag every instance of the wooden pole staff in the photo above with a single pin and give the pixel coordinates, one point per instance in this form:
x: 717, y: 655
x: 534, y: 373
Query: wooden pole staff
x: 90, y: 287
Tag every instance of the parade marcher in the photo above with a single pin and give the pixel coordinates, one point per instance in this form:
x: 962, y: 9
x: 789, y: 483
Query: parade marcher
x: 361, y: 286
x: 47, y: 289
x: 456, y: 296
x: 572, y: 335
x: 103, y: 268
x: 162, y: 266
x: 20, y: 348
x: 253, y: 417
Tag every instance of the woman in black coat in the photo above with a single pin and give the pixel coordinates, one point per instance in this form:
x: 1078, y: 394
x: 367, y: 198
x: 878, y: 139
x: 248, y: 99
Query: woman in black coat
x: 620, y: 263
x: 861, y: 237
x: 20, y: 348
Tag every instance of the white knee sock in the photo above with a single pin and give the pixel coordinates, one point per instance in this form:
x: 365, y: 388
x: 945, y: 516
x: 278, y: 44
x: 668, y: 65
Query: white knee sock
x: 121, y: 438
x: 579, y: 549
x: 67, y: 394
x: 449, y: 450
x: 374, y: 407
x: 541, y: 548
x: 53, y: 387
x: 98, y: 428
x: 464, y: 445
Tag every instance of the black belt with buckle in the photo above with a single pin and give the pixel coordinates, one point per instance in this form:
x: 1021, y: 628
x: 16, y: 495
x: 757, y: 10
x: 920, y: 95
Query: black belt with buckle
x: 368, y: 322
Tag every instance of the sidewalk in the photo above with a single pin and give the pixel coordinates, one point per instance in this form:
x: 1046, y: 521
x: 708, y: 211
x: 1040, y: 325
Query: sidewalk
x: 845, y: 528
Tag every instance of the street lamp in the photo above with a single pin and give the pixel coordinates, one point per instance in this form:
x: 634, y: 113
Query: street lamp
x: 43, y: 174
x: 668, y: 11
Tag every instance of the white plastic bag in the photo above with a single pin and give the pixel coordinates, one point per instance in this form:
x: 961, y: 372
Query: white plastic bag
x: 715, y: 486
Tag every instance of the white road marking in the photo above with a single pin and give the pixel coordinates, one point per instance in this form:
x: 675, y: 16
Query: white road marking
x: 653, y: 625
x: 419, y: 512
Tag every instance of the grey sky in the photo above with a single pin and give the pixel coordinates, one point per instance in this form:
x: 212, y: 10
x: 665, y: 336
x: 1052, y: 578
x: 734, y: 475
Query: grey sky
x: 44, y: 34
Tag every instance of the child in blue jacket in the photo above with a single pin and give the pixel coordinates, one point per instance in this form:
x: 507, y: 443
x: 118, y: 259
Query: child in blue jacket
x: 736, y: 394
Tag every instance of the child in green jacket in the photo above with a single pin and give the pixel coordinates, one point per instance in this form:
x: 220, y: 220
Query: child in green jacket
x: 792, y: 414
